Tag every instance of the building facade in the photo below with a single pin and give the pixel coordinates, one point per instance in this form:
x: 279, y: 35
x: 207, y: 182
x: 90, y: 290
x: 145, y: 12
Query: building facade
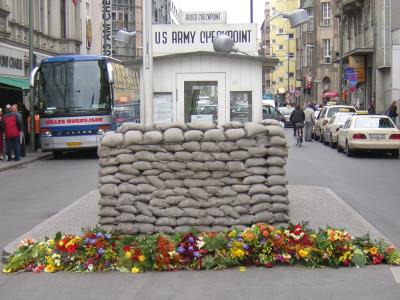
x: 282, y: 45
x: 59, y: 26
x: 127, y: 15
x: 317, y: 49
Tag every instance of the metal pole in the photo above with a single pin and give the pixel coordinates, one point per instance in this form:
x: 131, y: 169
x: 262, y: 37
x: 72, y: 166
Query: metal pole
x: 251, y: 11
x: 341, y: 28
x: 31, y: 98
x: 148, y: 61
x: 288, y: 64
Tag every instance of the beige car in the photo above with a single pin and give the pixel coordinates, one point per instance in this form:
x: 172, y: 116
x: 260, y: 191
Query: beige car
x: 332, y: 128
x: 369, y: 132
x: 325, y: 115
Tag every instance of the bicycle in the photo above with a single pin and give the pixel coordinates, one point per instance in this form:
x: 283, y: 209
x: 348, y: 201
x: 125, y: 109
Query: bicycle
x: 299, y: 133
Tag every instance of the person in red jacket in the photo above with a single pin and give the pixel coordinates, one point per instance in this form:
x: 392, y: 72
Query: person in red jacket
x: 11, y: 125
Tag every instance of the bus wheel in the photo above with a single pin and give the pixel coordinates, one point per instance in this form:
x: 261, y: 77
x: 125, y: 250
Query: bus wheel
x: 57, y: 153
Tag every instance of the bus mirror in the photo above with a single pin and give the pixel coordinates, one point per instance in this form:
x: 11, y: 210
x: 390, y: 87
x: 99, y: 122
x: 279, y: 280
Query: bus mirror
x: 32, y: 76
x: 110, y: 73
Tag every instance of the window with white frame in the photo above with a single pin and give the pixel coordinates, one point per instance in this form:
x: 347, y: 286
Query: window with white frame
x: 310, y: 23
x: 326, y: 50
x: 326, y: 13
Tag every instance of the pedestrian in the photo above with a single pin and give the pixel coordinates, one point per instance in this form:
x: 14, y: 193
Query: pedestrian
x: 309, y: 122
x: 297, y: 116
x: 371, y: 109
x: 11, y: 124
x: 392, y: 111
x: 37, y: 130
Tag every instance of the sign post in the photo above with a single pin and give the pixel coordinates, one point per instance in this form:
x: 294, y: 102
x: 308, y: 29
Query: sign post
x: 107, y: 28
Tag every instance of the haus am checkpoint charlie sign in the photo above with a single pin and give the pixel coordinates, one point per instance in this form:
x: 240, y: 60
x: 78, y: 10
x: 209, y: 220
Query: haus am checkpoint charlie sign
x: 170, y: 39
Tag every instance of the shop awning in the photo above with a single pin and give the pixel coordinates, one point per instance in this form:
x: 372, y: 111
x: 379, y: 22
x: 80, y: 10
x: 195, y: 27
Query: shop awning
x: 20, y: 83
x: 330, y: 94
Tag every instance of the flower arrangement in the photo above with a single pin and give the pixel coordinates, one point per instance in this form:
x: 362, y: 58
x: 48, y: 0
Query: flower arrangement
x: 260, y: 245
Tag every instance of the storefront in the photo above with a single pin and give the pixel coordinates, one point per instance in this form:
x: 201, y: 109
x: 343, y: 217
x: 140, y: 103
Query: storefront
x: 193, y: 83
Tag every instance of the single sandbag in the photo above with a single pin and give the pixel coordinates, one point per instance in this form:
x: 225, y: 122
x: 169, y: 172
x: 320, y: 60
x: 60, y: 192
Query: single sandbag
x: 201, y: 175
x: 235, y: 134
x: 134, y: 137
x: 276, y: 180
x: 278, y: 190
x: 259, y: 207
x: 228, y: 146
x: 152, y: 137
x: 255, y: 162
x: 257, y: 151
x: 192, y: 146
x: 142, y: 165
x: 202, y: 156
x: 276, y: 161
x: 239, y: 155
x: 203, y: 126
x: 253, y: 129
x: 235, y: 166
x: 264, y: 217
x: 253, y: 179
x: 173, y: 135
x: 258, y: 189
x: 145, y: 155
x: 183, y: 156
x: 112, y: 140
x: 193, y: 135
x: 258, y: 170
x: 126, y: 158
x: 260, y: 198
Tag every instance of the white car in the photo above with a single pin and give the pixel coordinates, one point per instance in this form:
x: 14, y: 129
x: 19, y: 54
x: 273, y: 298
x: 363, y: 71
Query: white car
x: 325, y: 115
x: 369, y: 132
x: 332, y: 128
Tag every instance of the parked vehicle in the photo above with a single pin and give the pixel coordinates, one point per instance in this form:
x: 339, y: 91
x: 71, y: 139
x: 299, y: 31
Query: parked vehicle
x: 332, y: 128
x: 369, y: 132
x: 325, y: 115
x: 270, y: 112
x: 286, y: 111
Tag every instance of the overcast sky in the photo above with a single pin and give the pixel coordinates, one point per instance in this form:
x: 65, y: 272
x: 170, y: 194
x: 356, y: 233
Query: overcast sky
x: 238, y: 11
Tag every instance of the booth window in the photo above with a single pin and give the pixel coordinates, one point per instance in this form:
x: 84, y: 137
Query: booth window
x: 201, y: 101
x: 241, y: 106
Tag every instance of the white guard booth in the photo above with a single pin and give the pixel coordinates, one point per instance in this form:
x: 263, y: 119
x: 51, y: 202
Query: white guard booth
x: 207, y: 86
x: 192, y: 82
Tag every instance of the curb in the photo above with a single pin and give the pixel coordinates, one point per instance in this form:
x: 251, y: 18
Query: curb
x: 25, y: 161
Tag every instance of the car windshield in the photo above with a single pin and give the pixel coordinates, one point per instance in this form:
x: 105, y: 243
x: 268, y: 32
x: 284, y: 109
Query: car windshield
x: 333, y: 110
x: 373, y: 123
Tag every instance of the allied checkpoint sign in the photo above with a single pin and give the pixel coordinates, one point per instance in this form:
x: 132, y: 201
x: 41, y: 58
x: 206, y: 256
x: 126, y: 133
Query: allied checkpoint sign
x: 171, y: 39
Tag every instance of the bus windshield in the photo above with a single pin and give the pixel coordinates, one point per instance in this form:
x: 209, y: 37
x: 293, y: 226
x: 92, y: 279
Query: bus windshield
x: 74, y: 87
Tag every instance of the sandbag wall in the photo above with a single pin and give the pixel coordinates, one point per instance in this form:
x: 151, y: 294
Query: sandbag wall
x: 175, y: 177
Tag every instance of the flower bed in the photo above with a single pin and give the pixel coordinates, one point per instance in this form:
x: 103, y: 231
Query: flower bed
x: 260, y: 245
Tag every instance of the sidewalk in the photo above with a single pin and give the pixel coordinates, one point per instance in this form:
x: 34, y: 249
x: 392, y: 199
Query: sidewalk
x: 30, y: 157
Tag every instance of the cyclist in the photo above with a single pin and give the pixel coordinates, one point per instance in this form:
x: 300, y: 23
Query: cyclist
x: 297, y: 117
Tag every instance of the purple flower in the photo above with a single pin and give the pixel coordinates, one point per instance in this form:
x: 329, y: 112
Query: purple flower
x: 100, y: 251
x: 181, y: 250
x: 92, y: 241
x: 191, y: 240
x: 190, y: 248
x: 246, y: 247
x: 87, y: 240
x: 229, y: 245
x: 262, y: 242
x: 196, y: 254
x: 107, y: 236
x: 240, y: 239
x: 99, y: 235
x: 277, y: 236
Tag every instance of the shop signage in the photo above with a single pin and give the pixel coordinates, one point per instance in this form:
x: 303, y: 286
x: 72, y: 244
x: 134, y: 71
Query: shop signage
x: 204, y: 17
x: 11, y: 62
x: 358, y: 64
x: 107, y: 28
x: 170, y: 39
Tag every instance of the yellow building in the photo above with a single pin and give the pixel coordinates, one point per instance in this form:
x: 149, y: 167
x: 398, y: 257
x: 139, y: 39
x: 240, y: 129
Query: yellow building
x: 283, y: 47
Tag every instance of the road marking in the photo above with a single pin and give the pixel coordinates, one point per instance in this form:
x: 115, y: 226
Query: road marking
x: 396, y: 273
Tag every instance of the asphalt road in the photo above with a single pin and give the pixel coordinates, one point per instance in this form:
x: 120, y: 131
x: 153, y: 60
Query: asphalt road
x: 34, y: 192
x: 368, y: 182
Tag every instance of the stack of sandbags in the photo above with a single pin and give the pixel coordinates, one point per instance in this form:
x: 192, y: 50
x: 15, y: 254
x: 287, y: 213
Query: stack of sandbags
x: 174, y: 177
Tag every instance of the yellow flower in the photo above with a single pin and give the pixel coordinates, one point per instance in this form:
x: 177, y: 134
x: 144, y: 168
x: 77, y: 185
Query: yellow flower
x: 135, y: 270
x: 232, y: 234
x: 242, y: 269
x: 128, y: 254
x: 141, y: 258
x: 49, y: 269
x: 6, y: 270
x: 373, y: 250
x: 60, y: 243
x: 303, y: 253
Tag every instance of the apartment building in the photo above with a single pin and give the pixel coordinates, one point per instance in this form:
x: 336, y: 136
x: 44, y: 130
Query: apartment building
x: 60, y: 27
x: 282, y: 45
x: 317, y: 49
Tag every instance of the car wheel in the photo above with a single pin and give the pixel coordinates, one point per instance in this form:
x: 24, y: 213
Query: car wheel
x: 348, y: 151
x: 395, y: 153
x: 57, y: 153
x: 331, y: 143
x: 321, y: 137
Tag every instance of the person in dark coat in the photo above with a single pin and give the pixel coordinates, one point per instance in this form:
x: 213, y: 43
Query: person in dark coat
x: 297, y: 116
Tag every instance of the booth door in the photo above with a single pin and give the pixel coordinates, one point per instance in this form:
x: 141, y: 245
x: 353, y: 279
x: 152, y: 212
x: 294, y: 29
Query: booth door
x: 201, y: 97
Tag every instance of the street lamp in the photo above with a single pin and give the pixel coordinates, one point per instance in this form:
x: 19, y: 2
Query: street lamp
x: 125, y: 37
